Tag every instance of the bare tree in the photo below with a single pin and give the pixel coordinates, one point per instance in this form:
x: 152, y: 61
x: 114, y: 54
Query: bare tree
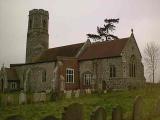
x: 151, y: 56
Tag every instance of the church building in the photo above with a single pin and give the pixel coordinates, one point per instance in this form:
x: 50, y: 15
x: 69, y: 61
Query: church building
x: 115, y: 64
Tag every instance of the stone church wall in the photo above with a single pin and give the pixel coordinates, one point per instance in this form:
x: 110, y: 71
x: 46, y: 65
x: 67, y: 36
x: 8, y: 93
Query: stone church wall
x: 32, y: 76
x: 131, y: 49
x: 100, y: 69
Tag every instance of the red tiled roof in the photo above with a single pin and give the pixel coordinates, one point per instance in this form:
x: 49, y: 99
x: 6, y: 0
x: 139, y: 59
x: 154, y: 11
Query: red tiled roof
x: 65, y: 51
x: 11, y: 74
x: 104, y: 49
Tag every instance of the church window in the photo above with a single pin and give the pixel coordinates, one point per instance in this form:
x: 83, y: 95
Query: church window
x: 132, y: 67
x: 87, y: 79
x: 70, y: 75
x: 13, y: 85
x: 112, y: 71
x: 43, y: 76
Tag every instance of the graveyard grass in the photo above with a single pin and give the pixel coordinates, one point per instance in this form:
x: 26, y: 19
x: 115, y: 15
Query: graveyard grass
x: 124, y: 98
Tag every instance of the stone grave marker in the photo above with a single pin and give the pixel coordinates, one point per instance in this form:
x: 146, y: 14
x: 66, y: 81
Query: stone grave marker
x: 36, y: 97
x: 138, y: 108
x: 117, y: 113
x: 9, y: 99
x: 22, y: 98
x: 73, y: 112
x: 77, y: 92
x: 98, y: 114
x: 43, y: 97
x: 68, y: 94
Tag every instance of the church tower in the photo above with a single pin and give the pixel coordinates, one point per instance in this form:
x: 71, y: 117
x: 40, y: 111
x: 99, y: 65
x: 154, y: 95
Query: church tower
x: 37, y: 36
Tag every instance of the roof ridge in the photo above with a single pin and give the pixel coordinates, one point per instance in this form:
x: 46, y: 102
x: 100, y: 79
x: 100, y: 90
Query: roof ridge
x: 66, y: 45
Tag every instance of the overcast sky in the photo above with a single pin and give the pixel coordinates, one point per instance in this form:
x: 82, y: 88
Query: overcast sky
x: 71, y: 20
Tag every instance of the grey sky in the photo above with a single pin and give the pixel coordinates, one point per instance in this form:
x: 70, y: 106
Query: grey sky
x: 71, y: 20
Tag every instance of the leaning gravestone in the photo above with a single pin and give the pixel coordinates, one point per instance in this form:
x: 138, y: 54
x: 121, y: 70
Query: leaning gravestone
x: 73, y: 112
x: 117, y: 113
x: 99, y: 114
x: 50, y: 117
x: 138, y: 108
x: 22, y: 98
x: 15, y: 117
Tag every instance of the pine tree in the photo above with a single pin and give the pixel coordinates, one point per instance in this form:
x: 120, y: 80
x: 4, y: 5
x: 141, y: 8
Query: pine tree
x: 105, y: 31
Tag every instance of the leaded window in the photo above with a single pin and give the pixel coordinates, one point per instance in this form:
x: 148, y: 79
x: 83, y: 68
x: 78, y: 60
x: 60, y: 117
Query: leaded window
x: 69, y: 75
x: 132, y: 67
x: 87, y: 79
x: 112, y: 71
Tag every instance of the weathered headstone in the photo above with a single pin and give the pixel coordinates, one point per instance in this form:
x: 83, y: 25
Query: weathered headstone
x: 50, y: 117
x: 36, y: 97
x: 73, y: 112
x: 117, y: 113
x: 98, y: 114
x: 89, y: 91
x: 138, y: 108
x: 77, y: 92
x: 105, y: 91
x: 43, y: 97
x: 68, y: 94
x: 22, y: 98
x: 15, y: 117
x: 9, y: 99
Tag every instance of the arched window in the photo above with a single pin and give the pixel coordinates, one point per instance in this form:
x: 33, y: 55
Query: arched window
x: 112, y: 70
x: 132, y: 66
x: 43, y: 76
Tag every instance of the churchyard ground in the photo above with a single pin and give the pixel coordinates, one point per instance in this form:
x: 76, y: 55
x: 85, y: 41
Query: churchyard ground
x: 36, y: 111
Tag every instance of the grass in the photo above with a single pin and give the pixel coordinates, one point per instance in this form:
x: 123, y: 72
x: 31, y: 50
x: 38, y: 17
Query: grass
x: 124, y: 98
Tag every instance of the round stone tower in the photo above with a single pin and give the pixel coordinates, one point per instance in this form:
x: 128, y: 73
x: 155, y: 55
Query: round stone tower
x: 37, y: 36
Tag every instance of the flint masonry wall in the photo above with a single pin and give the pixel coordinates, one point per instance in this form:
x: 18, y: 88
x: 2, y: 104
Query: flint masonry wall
x: 101, y: 72
x: 100, y: 69
x: 30, y: 73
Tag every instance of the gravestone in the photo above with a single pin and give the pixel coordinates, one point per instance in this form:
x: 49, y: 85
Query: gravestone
x: 22, y: 98
x: 98, y: 114
x: 9, y: 99
x: 73, y: 112
x: 105, y: 91
x: 50, y: 117
x: 138, y: 108
x: 15, y: 117
x: 77, y: 92
x: 117, y: 113
x: 36, y: 97
x: 89, y: 91
x: 68, y: 94
x: 43, y: 97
